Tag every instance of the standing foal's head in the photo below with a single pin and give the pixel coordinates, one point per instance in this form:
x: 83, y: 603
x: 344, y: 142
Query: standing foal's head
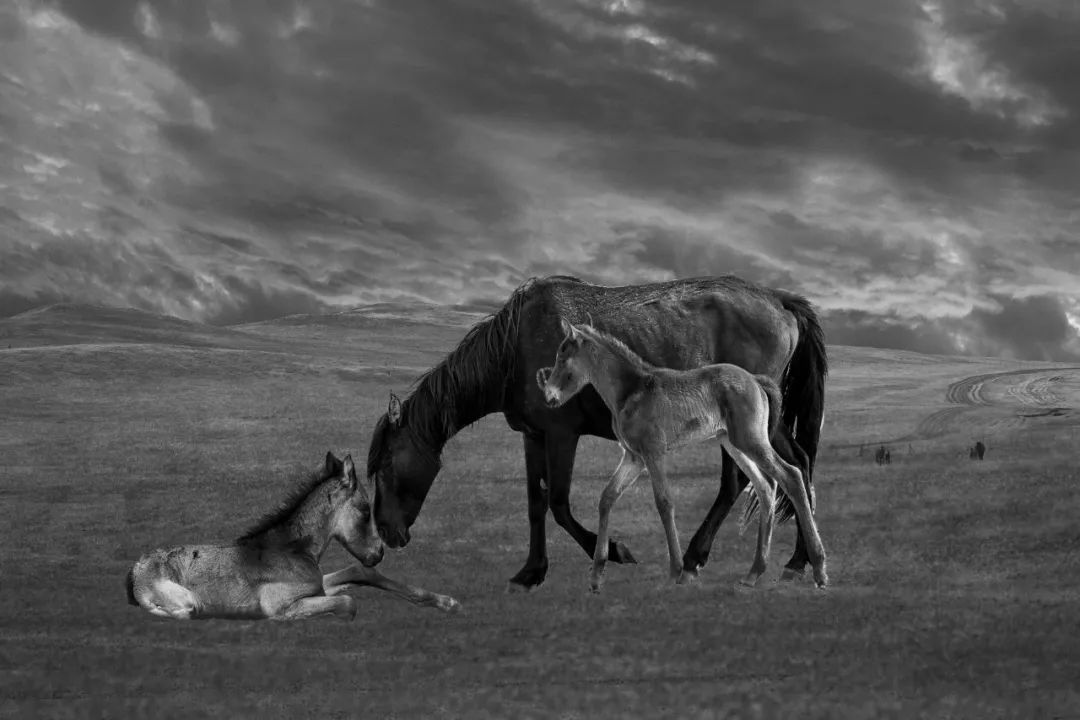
x: 353, y: 525
x: 572, y: 369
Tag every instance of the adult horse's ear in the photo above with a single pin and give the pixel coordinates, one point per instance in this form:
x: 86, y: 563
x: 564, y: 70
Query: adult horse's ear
x: 393, y: 412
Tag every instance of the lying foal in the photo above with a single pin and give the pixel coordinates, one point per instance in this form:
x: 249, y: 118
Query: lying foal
x: 272, y: 572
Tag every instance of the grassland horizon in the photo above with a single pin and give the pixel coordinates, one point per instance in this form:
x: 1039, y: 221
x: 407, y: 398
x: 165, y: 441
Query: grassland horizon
x: 954, y: 582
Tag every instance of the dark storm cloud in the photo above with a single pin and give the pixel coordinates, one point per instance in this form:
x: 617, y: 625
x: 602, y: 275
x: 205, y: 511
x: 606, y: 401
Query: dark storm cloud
x: 910, y: 165
x: 855, y: 327
x: 1032, y: 328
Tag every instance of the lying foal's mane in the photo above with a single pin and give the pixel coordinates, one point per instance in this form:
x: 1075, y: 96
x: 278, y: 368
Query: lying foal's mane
x: 288, y: 505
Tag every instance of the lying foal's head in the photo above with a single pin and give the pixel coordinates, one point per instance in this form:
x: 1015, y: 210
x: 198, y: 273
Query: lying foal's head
x: 353, y: 524
x: 572, y: 369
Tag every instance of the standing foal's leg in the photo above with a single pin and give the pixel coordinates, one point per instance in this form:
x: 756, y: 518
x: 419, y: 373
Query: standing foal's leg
x: 666, y: 508
x: 629, y: 469
x: 340, y: 581
x: 308, y: 607
x: 766, y: 508
x: 792, y: 482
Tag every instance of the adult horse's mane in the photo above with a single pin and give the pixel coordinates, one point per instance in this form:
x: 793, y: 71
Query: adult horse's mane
x: 288, y: 505
x: 467, y: 384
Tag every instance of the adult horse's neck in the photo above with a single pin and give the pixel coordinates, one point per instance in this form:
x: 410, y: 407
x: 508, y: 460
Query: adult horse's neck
x: 469, y: 383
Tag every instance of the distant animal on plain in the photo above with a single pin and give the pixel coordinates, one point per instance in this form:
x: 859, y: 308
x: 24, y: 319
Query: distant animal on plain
x: 656, y: 410
x: 980, y: 450
x: 272, y: 572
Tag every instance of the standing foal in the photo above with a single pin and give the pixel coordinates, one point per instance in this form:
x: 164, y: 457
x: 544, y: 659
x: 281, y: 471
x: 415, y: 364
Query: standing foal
x: 273, y: 571
x: 655, y: 410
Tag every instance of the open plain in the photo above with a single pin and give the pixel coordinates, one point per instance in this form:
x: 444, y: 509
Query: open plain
x: 955, y: 582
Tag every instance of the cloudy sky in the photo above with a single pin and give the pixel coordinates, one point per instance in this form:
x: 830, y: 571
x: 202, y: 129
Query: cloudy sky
x: 910, y: 166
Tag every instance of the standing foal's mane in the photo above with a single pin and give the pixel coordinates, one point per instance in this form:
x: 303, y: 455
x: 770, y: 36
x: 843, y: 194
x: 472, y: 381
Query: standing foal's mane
x: 617, y: 347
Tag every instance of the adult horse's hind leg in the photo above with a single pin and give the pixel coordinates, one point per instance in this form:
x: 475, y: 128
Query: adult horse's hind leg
x: 766, y: 507
x: 535, y: 570
x: 561, y: 450
x: 732, y: 482
x: 664, y: 506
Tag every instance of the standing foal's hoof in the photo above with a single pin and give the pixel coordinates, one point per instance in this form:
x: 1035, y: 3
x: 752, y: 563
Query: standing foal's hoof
x: 820, y: 578
x: 751, y: 580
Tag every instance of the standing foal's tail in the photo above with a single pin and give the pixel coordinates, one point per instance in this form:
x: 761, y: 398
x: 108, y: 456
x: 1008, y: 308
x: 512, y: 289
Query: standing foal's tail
x: 803, y: 389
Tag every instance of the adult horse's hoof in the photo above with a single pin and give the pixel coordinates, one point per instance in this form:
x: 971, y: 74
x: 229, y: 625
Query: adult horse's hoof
x: 617, y: 552
x: 527, y: 579
x: 515, y: 588
x: 791, y: 574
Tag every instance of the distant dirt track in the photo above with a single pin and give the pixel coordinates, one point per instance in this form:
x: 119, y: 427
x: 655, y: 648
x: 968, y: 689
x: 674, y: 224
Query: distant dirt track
x: 1036, y: 392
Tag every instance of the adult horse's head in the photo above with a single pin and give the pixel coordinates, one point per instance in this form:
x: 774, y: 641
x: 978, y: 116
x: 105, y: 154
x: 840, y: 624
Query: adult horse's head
x: 403, y: 466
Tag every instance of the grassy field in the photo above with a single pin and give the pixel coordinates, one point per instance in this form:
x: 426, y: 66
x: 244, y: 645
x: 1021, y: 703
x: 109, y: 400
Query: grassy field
x: 955, y: 583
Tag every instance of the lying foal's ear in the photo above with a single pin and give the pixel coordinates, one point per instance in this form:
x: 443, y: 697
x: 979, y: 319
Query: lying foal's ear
x: 333, y: 465
x: 393, y: 411
x: 349, y: 475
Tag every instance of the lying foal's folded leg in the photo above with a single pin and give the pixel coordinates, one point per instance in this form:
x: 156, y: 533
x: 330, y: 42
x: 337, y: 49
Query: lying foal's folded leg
x: 354, y: 575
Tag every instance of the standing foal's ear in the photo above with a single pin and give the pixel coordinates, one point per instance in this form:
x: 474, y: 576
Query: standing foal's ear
x: 393, y: 412
x: 568, y: 329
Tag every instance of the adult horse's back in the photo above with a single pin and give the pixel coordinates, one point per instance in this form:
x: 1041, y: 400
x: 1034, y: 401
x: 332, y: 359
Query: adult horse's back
x: 679, y: 324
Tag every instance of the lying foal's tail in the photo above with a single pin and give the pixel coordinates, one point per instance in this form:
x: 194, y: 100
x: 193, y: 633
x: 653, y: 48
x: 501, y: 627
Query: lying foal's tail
x: 129, y: 585
x: 780, y: 439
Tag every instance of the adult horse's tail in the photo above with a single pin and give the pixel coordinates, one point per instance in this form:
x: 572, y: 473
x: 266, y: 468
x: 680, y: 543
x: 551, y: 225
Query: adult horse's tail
x: 803, y: 388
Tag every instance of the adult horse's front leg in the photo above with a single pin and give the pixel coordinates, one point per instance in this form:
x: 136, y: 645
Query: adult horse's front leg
x: 561, y: 450
x: 535, y: 570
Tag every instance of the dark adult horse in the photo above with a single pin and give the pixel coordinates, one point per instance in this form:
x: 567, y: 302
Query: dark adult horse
x: 679, y: 324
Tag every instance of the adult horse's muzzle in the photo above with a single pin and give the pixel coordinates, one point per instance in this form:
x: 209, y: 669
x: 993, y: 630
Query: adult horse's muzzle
x: 395, y: 538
